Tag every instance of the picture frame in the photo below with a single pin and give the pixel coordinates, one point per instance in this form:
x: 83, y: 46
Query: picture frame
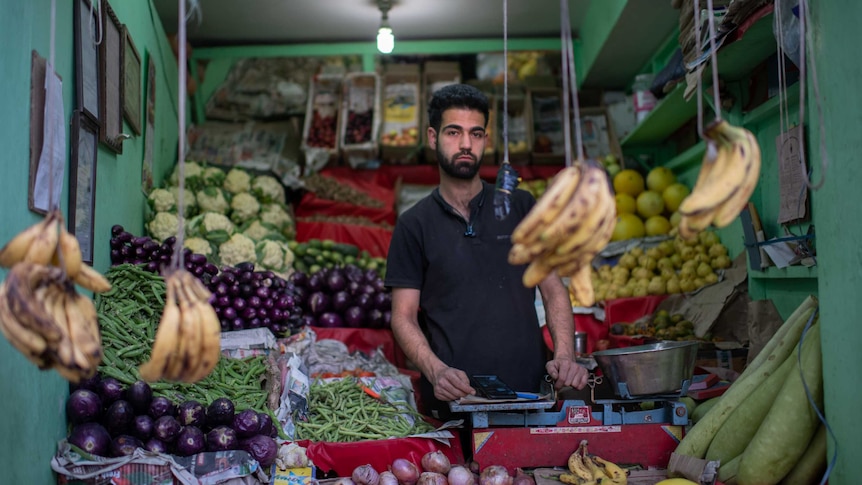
x: 110, y: 90
x: 130, y: 74
x: 87, y: 57
x: 84, y: 139
x: 149, y: 127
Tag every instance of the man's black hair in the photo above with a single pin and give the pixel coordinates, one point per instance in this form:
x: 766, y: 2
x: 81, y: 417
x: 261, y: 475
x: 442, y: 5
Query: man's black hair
x: 456, y: 96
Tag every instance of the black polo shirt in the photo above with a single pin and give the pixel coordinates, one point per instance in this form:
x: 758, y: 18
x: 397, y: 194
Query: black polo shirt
x: 475, y: 311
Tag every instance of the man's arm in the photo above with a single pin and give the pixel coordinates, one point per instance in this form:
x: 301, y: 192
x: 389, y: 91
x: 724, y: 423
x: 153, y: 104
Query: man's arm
x: 449, y: 383
x: 558, y: 316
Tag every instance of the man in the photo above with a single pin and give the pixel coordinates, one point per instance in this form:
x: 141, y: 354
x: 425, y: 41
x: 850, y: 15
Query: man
x: 458, y: 307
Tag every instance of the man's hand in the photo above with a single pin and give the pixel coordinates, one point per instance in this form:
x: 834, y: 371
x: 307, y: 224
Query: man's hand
x: 451, y: 384
x: 567, y: 372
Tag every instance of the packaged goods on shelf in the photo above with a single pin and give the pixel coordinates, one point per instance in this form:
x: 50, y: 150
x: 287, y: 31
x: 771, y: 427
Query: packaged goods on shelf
x: 360, y: 118
x: 399, y: 135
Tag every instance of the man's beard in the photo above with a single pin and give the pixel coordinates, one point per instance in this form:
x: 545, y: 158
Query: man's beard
x: 456, y: 169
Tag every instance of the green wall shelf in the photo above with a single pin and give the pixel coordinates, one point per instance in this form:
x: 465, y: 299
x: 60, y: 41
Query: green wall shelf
x: 789, y: 272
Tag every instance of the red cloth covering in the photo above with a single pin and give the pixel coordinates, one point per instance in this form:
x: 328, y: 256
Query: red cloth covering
x: 365, y: 340
x: 616, y: 311
x: 375, y: 240
x: 343, y: 458
x: 377, y: 184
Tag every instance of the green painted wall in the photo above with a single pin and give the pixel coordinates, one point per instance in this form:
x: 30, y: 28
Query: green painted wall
x: 32, y: 413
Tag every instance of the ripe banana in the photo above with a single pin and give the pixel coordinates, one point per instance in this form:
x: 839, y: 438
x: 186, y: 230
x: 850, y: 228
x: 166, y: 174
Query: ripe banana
x: 30, y: 343
x: 90, y: 279
x: 580, y: 217
x: 69, y: 256
x: 167, y: 336
x: 610, y: 469
x: 535, y: 273
x: 730, y: 209
x: 84, y: 328
x: 587, y: 468
x: 190, y: 335
x: 577, y: 465
x: 724, y: 175
x: 691, y: 225
x: 17, y: 247
x: 549, y: 205
x: 44, y: 245
x: 27, y: 285
x: 210, y: 330
x: 69, y: 360
x: 581, y: 286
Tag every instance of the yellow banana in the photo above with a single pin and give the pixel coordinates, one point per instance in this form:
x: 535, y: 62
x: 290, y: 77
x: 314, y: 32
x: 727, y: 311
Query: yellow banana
x: 578, y: 466
x: 535, y: 273
x: 676, y: 481
x: 549, y: 205
x: 44, y: 245
x: 167, y: 336
x: 27, y: 285
x: 210, y: 347
x: 611, y: 470
x: 69, y: 253
x: 723, y: 175
x: 28, y: 342
x: 573, y: 479
x: 730, y: 209
x: 596, y: 232
x: 191, y: 337
x: 65, y: 355
x: 578, y: 218
x: 521, y: 254
x: 581, y: 286
x: 90, y: 279
x: 84, y: 327
x: 691, y: 225
x: 17, y: 247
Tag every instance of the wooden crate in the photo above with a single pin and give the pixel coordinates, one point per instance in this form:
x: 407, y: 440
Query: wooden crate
x: 320, y: 129
x: 360, y: 110
x: 401, y: 115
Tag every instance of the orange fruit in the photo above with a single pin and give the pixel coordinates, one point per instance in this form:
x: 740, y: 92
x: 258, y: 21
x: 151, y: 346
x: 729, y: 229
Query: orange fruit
x: 673, y: 196
x: 657, y: 226
x: 659, y: 179
x: 626, y: 204
x: 628, y: 226
x: 650, y: 204
x: 629, y: 181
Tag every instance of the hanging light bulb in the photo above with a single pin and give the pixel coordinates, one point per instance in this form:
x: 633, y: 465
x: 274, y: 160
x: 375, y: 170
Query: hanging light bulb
x: 385, y: 38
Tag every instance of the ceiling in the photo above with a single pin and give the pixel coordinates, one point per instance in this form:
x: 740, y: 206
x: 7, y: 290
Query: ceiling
x: 639, y: 32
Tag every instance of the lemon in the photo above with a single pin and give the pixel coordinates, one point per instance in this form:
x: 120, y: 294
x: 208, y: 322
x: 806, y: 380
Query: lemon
x: 629, y: 181
x: 657, y: 226
x: 628, y: 226
x: 673, y: 196
x: 650, y: 203
x: 626, y: 204
x: 659, y: 179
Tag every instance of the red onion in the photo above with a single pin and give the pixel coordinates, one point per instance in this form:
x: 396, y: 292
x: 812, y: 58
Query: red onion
x: 406, y: 472
x: 522, y: 478
x: 459, y: 475
x: 365, y: 475
x: 436, y: 461
x: 495, y: 475
x: 388, y: 478
x: 432, y: 478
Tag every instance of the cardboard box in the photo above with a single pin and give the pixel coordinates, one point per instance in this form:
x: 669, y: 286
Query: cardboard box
x: 520, y: 120
x: 360, y: 110
x: 549, y: 143
x: 401, y: 111
x: 323, y: 108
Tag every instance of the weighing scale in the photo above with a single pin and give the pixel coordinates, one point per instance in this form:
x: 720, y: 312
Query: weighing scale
x: 545, y: 432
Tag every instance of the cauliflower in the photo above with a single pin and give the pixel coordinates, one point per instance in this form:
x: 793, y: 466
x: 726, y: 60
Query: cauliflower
x: 213, y: 177
x: 258, y: 231
x: 198, y: 245
x: 276, y: 215
x: 189, y: 201
x: 163, y: 226
x: 212, y: 199
x: 162, y: 200
x: 238, y: 249
x: 268, y: 189
x: 237, y: 181
x: 193, y: 173
x: 244, y: 207
x: 270, y: 254
x: 212, y: 226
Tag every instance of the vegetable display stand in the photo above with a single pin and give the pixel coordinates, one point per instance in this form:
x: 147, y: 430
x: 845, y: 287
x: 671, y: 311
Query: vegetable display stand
x: 360, y: 118
x: 320, y: 130
x: 366, y: 340
x: 343, y: 458
x: 372, y: 239
x: 140, y: 468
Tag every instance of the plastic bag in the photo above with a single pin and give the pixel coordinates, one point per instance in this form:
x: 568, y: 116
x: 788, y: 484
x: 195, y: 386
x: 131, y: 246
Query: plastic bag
x: 785, y: 27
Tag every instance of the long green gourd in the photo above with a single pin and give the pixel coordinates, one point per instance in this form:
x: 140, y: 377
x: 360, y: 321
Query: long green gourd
x: 696, y: 442
x: 791, y: 423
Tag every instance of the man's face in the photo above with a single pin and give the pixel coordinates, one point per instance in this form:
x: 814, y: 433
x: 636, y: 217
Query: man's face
x: 460, y: 143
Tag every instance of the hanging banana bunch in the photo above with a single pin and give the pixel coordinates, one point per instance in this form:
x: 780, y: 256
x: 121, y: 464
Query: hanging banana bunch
x: 41, y: 313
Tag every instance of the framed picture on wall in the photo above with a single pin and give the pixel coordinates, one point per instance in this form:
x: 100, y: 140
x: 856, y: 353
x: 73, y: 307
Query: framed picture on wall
x: 82, y: 181
x: 149, y: 127
x: 87, y: 36
x: 110, y: 90
x: 131, y: 82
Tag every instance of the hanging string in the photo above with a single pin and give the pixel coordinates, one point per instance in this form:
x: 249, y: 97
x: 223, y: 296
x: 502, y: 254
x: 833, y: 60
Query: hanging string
x: 697, y: 47
x: 50, y: 132
x: 505, y: 81
x: 570, y: 74
x: 567, y: 126
x: 177, y: 260
x: 713, y: 60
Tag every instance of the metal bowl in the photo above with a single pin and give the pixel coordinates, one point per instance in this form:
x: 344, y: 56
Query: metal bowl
x: 659, y: 368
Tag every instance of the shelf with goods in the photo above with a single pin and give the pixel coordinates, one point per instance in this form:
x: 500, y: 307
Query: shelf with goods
x: 789, y: 272
x: 735, y: 60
